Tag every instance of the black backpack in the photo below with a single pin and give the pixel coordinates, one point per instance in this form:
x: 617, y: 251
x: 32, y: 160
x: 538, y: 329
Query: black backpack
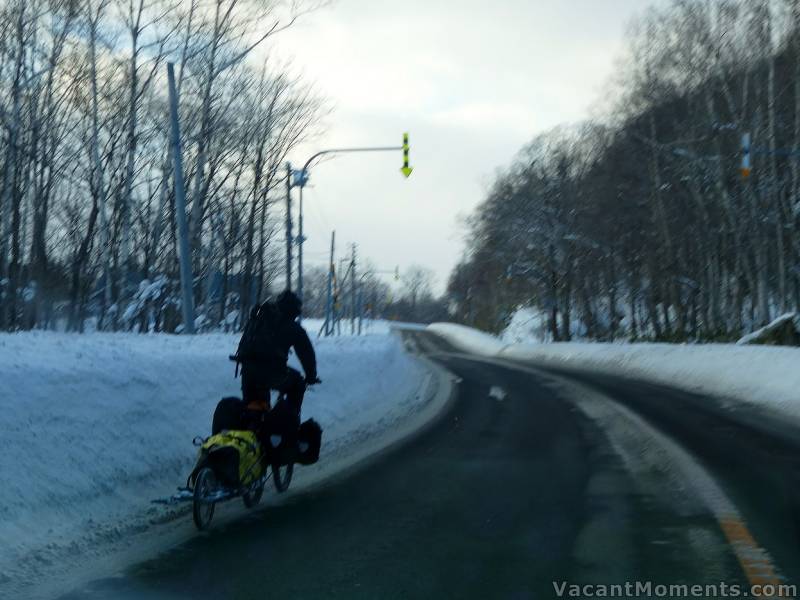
x: 258, y: 342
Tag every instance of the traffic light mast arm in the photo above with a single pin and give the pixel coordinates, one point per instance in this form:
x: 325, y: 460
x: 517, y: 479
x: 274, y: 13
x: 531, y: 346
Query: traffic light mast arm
x: 348, y: 150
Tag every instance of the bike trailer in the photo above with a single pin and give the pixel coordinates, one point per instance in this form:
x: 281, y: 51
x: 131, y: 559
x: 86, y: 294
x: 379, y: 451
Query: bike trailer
x: 235, y: 457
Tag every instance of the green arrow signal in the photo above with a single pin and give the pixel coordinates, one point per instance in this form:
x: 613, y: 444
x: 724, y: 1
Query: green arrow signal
x: 406, y: 170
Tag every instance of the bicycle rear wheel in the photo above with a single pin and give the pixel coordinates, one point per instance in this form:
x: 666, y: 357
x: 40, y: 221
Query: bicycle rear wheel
x: 282, y: 476
x: 205, y: 484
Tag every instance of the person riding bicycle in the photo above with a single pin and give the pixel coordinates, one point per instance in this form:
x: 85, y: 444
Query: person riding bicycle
x: 264, y: 353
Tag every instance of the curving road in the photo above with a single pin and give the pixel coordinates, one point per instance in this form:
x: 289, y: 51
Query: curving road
x: 530, y: 477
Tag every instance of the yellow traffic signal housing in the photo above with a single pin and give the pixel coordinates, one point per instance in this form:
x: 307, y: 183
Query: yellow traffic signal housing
x: 406, y: 170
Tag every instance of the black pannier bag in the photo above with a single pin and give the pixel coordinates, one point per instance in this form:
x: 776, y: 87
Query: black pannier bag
x: 309, y: 442
x: 229, y: 415
x: 279, y: 431
x: 283, y: 420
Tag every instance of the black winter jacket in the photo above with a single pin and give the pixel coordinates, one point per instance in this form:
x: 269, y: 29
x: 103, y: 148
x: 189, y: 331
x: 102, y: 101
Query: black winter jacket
x: 290, y: 334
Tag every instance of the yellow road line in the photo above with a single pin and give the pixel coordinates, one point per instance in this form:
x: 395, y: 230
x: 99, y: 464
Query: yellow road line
x: 754, y: 560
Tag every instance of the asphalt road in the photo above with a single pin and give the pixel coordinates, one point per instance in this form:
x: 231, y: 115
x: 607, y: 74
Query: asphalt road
x: 512, y: 489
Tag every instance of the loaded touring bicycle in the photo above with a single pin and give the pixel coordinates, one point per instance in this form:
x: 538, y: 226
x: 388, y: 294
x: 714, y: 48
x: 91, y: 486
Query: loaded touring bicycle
x: 245, y: 450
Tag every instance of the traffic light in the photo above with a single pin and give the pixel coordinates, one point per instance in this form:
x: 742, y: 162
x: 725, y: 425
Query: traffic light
x: 406, y: 170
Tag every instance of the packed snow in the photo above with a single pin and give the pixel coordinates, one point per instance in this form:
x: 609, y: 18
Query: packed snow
x: 767, y: 376
x: 95, y: 426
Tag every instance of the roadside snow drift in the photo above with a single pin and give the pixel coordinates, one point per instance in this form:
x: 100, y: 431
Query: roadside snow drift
x: 95, y: 426
x: 766, y: 376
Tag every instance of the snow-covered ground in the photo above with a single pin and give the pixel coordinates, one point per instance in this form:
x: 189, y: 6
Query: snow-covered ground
x: 762, y: 375
x: 526, y: 325
x: 95, y: 426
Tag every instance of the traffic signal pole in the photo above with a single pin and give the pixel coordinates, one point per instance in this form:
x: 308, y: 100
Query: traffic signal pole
x: 300, y: 180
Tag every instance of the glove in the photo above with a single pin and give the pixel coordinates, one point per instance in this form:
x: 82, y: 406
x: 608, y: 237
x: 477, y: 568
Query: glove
x: 313, y: 380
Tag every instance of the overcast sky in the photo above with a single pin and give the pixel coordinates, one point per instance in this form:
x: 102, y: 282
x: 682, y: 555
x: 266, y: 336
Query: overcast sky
x: 471, y: 81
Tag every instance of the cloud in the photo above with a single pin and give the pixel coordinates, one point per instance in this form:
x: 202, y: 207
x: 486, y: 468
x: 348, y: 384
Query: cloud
x: 472, y: 81
x: 487, y: 115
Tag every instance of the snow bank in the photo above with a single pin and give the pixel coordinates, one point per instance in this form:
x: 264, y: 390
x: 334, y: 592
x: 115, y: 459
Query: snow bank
x: 468, y: 339
x: 527, y: 325
x: 95, y: 426
x: 783, y: 331
x: 762, y: 375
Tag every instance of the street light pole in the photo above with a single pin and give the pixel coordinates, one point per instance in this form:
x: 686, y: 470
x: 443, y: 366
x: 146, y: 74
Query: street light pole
x: 184, y: 253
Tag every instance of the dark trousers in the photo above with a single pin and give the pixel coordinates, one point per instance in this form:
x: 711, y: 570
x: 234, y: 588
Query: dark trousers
x: 257, y: 383
x: 283, y: 418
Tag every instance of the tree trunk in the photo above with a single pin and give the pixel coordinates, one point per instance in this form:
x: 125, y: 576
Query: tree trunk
x: 127, y: 196
x: 660, y: 218
x: 77, y: 275
x: 196, y: 221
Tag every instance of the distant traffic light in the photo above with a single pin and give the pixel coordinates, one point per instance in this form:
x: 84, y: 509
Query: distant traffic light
x: 746, y: 164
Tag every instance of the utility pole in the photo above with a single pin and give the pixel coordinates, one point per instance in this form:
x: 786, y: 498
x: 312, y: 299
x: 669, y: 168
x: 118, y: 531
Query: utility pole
x: 180, y: 206
x: 353, y: 291
x: 336, y: 326
x: 360, y: 307
x: 329, y: 316
x: 300, y: 240
x: 289, y: 240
